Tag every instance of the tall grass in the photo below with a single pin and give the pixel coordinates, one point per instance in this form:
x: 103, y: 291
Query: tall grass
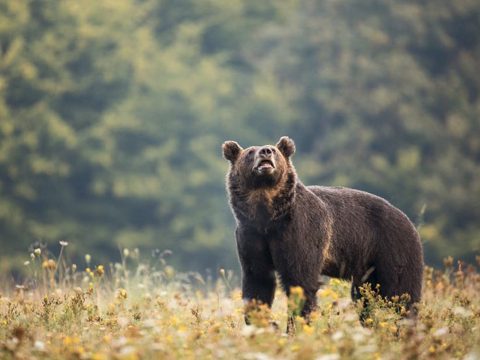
x: 136, y: 309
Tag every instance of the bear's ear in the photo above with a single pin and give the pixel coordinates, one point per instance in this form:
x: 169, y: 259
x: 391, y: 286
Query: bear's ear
x: 286, y: 146
x: 231, y: 150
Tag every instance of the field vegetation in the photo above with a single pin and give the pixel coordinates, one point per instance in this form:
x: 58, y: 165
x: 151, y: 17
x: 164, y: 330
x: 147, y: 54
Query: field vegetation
x: 138, y: 309
x: 112, y: 114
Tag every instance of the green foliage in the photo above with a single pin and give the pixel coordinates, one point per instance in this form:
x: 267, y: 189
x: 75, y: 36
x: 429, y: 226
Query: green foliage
x: 112, y: 114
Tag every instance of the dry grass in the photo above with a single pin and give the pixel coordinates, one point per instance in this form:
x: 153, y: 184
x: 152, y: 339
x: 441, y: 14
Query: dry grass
x: 133, y: 311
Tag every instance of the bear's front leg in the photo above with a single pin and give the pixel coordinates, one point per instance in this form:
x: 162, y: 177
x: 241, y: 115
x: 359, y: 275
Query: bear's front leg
x: 299, y: 275
x: 257, y: 290
x: 258, y: 275
x: 296, y: 297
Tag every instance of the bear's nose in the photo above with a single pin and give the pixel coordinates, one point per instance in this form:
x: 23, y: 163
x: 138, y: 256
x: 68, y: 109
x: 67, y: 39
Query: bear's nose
x: 265, y: 151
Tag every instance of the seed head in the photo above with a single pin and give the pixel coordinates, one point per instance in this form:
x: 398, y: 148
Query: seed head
x: 99, y: 271
x: 121, y: 294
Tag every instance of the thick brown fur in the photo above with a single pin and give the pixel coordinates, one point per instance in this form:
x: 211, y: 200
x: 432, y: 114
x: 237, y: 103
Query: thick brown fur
x: 301, y: 232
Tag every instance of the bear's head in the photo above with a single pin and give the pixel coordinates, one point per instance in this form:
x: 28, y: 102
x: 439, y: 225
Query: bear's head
x: 260, y: 166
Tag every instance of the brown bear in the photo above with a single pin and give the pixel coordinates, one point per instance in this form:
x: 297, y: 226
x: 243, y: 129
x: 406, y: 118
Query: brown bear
x: 301, y: 232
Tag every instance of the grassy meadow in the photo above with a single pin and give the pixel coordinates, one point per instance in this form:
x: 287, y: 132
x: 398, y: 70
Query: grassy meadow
x: 146, y: 310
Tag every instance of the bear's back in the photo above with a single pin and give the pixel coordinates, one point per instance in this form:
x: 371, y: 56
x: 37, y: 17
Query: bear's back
x: 346, y: 203
x: 367, y: 226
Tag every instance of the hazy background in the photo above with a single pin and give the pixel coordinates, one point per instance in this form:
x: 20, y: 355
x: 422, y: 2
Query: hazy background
x: 112, y: 114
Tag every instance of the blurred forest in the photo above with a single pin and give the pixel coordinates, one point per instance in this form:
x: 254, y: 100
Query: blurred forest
x: 112, y: 114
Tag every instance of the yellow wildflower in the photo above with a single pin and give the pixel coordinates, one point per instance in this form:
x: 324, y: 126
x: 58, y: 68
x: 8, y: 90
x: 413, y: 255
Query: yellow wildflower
x: 296, y: 291
x: 328, y: 292
x: 307, y: 329
x: 67, y: 340
x: 99, y: 356
x: 174, y: 321
x: 335, y: 282
x: 49, y: 264
x: 183, y: 328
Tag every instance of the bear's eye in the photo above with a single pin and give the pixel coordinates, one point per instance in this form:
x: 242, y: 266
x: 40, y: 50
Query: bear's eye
x: 250, y: 152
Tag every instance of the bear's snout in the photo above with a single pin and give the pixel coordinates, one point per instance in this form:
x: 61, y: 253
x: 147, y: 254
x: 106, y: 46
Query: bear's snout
x: 265, y: 152
x: 264, y: 160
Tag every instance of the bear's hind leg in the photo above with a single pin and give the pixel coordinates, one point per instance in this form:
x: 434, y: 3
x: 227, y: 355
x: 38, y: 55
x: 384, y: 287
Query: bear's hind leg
x: 404, y: 283
x: 369, y: 277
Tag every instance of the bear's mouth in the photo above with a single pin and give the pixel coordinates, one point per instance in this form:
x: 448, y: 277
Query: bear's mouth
x: 265, y: 165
